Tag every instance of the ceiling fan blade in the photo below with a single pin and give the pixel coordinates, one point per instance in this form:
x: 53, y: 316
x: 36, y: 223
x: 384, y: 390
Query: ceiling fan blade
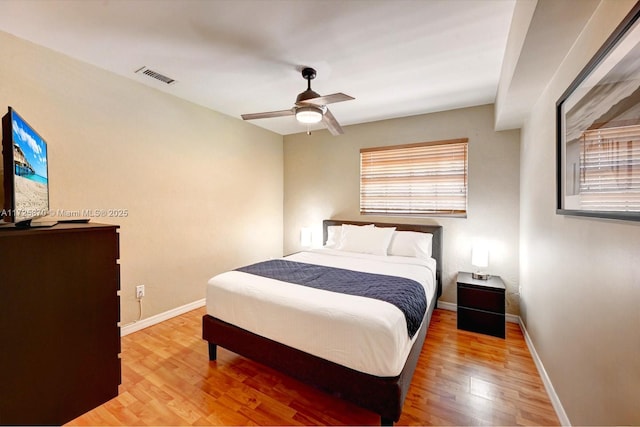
x: 332, y: 124
x: 268, y: 114
x: 328, y: 99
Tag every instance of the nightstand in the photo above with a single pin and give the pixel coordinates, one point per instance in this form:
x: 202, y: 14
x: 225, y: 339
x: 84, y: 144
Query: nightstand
x: 481, y: 305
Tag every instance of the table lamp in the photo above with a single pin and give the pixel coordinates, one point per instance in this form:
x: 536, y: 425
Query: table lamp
x: 480, y: 260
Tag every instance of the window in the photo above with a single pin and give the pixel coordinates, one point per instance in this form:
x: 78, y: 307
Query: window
x: 610, y: 169
x: 415, y: 179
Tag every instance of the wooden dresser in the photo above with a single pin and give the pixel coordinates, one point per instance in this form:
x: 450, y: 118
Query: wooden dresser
x: 59, y: 314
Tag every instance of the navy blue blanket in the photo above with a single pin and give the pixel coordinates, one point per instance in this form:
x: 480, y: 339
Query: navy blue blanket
x: 406, y: 294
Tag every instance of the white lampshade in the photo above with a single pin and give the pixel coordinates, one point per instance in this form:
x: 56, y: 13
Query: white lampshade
x: 480, y: 256
x: 480, y: 260
x: 308, y: 114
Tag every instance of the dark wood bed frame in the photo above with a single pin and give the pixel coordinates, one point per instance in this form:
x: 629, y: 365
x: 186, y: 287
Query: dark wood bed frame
x: 382, y: 395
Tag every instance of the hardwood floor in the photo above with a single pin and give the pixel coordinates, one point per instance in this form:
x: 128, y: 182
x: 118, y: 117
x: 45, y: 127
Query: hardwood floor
x: 462, y: 378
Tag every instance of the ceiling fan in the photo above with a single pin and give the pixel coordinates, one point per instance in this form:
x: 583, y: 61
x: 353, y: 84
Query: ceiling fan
x: 309, y: 107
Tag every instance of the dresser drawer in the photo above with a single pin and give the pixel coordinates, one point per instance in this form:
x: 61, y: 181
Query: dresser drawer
x: 481, y: 321
x: 482, y: 299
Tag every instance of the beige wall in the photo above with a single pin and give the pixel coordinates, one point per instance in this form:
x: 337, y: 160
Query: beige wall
x: 197, y: 184
x: 580, y: 277
x: 321, y: 175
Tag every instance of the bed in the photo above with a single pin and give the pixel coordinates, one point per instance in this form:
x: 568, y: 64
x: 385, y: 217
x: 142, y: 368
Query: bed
x: 369, y: 358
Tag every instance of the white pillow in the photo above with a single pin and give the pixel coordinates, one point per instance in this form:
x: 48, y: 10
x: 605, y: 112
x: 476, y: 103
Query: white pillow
x: 334, y: 233
x: 365, y: 239
x: 411, y: 243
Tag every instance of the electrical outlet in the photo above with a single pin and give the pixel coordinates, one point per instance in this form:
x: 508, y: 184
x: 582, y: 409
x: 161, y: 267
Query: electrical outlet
x: 139, y: 291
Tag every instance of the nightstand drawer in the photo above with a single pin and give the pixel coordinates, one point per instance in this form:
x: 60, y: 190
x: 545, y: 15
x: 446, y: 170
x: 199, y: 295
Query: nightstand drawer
x: 482, y: 299
x: 481, y: 321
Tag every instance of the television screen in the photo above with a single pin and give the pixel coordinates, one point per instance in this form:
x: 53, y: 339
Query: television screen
x: 26, y: 178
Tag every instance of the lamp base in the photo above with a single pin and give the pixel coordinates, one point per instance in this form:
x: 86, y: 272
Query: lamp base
x: 480, y: 276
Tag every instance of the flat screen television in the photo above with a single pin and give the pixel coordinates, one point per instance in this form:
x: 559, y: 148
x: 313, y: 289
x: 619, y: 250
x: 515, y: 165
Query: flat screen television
x: 25, y: 171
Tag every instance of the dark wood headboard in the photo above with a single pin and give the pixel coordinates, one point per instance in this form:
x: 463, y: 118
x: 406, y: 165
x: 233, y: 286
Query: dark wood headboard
x: 435, y: 230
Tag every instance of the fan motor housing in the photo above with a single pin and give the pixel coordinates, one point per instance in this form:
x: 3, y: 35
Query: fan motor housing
x: 307, y: 94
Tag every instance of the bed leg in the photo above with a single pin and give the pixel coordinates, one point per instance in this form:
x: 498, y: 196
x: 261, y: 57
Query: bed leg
x: 384, y: 421
x: 213, y: 351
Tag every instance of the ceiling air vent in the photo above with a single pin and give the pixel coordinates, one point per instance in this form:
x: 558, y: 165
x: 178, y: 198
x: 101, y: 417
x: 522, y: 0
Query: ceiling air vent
x: 156, y: 75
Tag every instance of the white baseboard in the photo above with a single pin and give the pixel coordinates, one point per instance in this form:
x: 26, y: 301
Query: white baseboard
x: 150, y: 321
x: 555, y: 400
x: 447, y: 306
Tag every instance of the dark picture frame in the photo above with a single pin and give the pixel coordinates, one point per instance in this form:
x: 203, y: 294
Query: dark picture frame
x: 604, y: 97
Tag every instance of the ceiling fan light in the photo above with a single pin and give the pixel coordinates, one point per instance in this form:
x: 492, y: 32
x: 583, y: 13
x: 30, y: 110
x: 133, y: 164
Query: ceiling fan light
x: 309, y: 114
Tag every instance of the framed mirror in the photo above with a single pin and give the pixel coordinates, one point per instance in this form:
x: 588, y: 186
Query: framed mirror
x: 598, y: 131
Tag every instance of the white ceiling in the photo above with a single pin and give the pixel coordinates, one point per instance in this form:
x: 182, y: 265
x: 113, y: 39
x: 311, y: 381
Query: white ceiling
x: 396, y: 57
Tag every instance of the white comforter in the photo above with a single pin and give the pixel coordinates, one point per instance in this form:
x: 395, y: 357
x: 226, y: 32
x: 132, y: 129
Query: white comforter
x: 364, y: 334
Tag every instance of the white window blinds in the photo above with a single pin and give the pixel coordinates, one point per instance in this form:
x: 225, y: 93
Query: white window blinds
x: 415, y: 179
x: 610, y: 169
